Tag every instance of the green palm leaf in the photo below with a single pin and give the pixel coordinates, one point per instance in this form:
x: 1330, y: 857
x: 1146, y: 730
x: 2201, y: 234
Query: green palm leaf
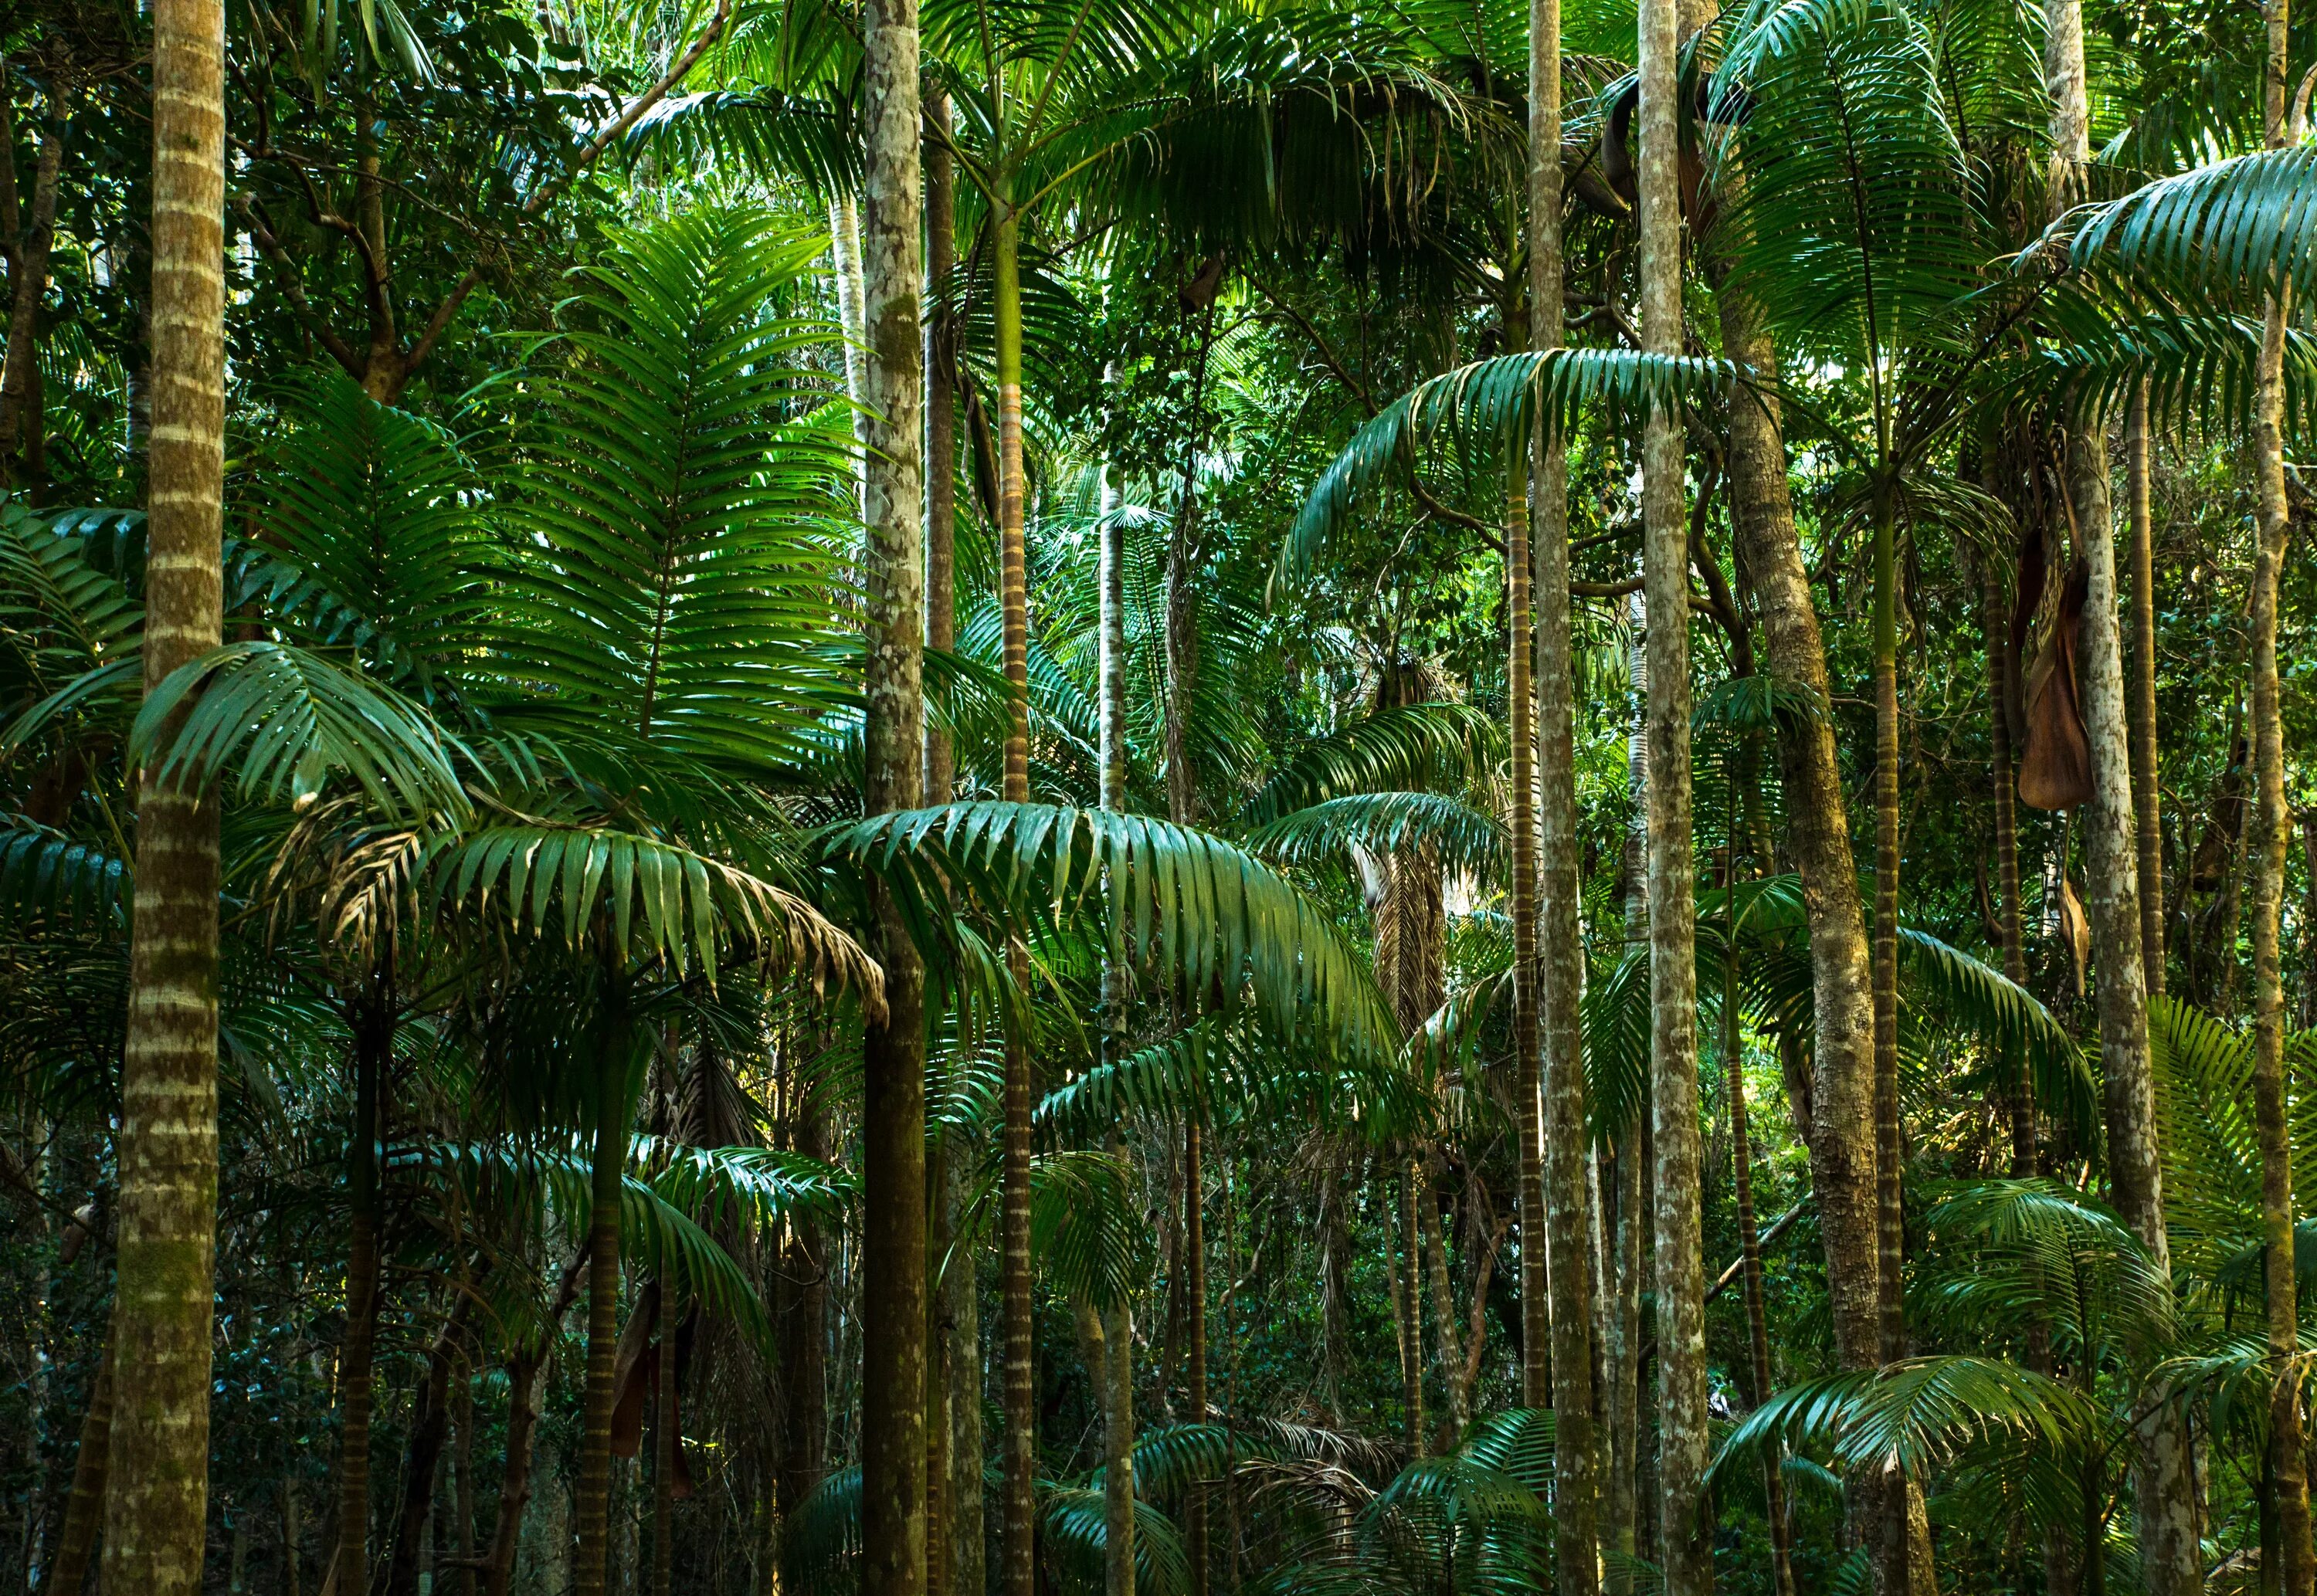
x: 1210, y: 916
x: 658, y: 896
x: 1913, y: 1414
x: 286, y: 719
x: 2247, y: 223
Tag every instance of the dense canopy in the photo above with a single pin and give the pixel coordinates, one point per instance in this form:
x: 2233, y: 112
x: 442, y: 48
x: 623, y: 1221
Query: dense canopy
x: 971, y: 798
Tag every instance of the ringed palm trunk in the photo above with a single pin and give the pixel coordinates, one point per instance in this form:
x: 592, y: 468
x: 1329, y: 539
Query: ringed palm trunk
x: 1020, y: 1393
x: 2289, y: 1465
x: 1889, y: 1214
x: 1749, y: 1240
x: 893, y: 1054
x: 157, y: 1488
x: 1561, y: 963
x: 1685, y: 1535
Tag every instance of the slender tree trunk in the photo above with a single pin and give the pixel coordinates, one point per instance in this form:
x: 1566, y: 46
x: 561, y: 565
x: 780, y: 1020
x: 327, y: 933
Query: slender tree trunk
x: 429, y: 1432
x: 1450, y: 1342
x: 514, y: 1484
x: 1839, y: 1128
x: 615, y: 1027
x: 2163, y: 1479
x: 1686, y: 1549
x: 1890, y: 1235
x: 1749, y: 1237
x: 1560, y: 966
x: 941, y: 439
x: 84, y: 1507
x: 1410, y: 1309
x: 1194, y: 1251
x: 2020, y: 1098
x: 2288, y: 1456
x: 1182, y: 650
x: 463, y: 1497
x: 21, y: 424
x: 962, y: 1295
x: 374, y: 1054
x: 1020, y: 1395
x: 893, y: 1063
x: 1536, y: 1307
x: 2146, y: 794
x: 667, y: 1444
x: 156, y: 1500
x: 1113, y: 1321
x: 1620, y: 1351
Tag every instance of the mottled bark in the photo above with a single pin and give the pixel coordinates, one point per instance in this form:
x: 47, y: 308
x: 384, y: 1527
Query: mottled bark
x: 893, y: 1051
x: 1838, y: 1130
x: 2272, y: 823
x: 156, y: 1496
x: 1684, y: 1443
x: 1528, y: 1090
x: 2141, y: 705
x: 1408, y: 1308
x: 2019, y: 1097
x: 373, y: 1030
x: 941, y: 432
x: 1194, y: 1251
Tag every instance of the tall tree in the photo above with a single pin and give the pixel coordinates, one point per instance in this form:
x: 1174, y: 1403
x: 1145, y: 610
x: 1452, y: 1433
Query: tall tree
x: 1684, y: 1444
x: 157, y: 1487
x: 1560, y: 971
x: 2272, y: 829
x: 893, y: 1485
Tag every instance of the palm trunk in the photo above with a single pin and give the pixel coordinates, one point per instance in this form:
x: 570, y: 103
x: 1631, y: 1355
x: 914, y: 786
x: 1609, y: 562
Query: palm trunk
x: 1450, y: 1341
x: 1409, y: 1307
x: 2289, y: 1458
x: 2020, y: 1099
x: 21, y: 424
x: 941, y: 435
x: 1839, y: 1132
x: 962, y: 1304
x: 84, y: 1507
x: 1621, y: 1515
x: 429, y: 1432
x: 157, y: 1500
x: 2164, y: 1491
x: 1528, y: 1111
x: 1749, y: 1237
x: 893, y: 1050
x: 1194, y: 1250
x: 667, y: 1442
x: 1685, y: 1531
x: 1890, y: 1212
x: 2146, y: 796
x: 1114, y: 1321
x: 1020, y: 1395
x: 1567, y: 1220
x: 615, y: 1025
x: 941, y: 1474
x: 374, y: 1053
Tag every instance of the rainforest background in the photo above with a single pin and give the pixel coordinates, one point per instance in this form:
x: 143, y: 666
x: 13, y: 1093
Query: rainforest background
x: 1252, y: 796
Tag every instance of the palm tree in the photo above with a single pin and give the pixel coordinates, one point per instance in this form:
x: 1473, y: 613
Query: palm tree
x: 1684, y: 1446
x: 157, y: 1451
x: 2288, y: 1459
x: 893, y: 1473
x: 1566, y: 1218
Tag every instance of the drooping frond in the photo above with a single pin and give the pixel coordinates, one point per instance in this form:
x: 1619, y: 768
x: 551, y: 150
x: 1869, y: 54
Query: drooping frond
x: 1428, y: 747
x: 2247, y: 223
x: 285, y: 718
x: 677, y: 903
x: 1476, y: 406
x: 1205, y: 916
x: 1914, y: 1413
x: 1454, y: 832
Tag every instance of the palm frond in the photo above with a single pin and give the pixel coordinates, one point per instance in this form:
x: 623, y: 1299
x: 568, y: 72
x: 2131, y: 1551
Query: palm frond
x: 1912, y: 1414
